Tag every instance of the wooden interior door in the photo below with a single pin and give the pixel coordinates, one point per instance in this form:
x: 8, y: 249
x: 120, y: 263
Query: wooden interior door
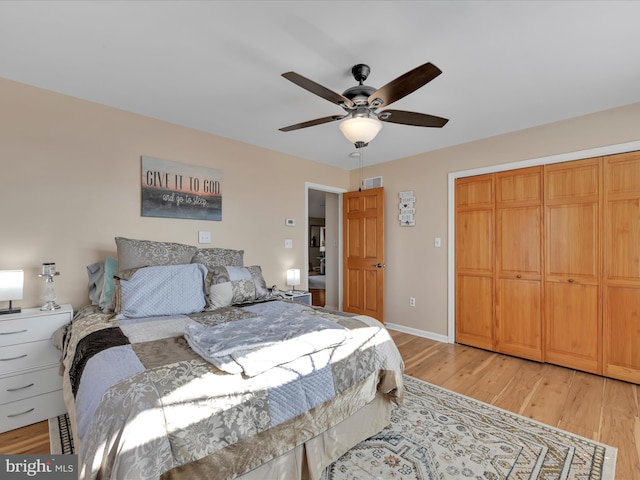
x: 474, y: 198
x: 363, y: 222
x: 573, y: 309
x: 621, y: 277
x: 519, y: 292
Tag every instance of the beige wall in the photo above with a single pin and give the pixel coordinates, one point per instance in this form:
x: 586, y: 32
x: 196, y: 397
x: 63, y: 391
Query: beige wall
x: 70, y: 183
x: 414, y: 267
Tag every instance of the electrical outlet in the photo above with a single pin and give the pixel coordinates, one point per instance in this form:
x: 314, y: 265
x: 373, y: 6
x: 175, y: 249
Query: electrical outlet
x: 204, y: 237
x: 288, y: 243
x: 412, y: 301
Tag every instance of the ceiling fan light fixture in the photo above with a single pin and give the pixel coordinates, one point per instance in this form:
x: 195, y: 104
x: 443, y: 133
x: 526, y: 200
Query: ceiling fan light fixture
x: 360, y: 130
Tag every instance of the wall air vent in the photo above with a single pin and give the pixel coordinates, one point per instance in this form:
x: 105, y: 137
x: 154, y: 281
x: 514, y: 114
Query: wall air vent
x: 373, y: 182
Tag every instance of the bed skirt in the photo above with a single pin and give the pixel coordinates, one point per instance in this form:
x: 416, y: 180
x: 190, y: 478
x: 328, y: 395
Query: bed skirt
x: 308, y: 461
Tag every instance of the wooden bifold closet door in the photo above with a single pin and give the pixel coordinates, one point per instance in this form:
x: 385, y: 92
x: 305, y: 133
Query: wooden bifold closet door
x: 499, y: 262
x: 475, y: 261
x: 622, y: 267
x: 519, y: 289
x: 573, y: 318
x: 548, y: 264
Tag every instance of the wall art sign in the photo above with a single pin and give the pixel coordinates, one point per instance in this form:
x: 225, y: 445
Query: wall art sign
x: 175, y: 190
x: 407, y: 209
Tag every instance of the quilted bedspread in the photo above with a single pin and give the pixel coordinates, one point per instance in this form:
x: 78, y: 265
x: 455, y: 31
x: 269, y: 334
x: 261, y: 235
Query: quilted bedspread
x: 144, y: 405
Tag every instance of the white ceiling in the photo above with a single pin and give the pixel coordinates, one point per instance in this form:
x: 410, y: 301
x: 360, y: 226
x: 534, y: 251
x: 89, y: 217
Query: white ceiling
x: 216, y: 66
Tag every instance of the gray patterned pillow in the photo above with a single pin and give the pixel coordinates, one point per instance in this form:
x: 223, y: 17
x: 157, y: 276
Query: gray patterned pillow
x: 144, y: 253
x: 261, y: 286
x: 218, y: 257
x: 229, y: 286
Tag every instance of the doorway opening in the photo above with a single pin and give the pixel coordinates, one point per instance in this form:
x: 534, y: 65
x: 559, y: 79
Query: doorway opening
x: 324, y: 245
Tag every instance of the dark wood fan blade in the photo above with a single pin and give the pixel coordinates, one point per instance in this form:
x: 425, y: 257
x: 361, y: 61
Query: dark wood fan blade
x: 311, y: 123
x: 404, y: 85
x: 411, y: 118
x: 318, y: 89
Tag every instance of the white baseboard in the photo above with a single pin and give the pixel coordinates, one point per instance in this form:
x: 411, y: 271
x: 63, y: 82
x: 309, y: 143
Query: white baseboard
x: 418, y: 333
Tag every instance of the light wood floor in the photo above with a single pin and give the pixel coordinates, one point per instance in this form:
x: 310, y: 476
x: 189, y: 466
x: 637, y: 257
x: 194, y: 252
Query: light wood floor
x: 595, y: 407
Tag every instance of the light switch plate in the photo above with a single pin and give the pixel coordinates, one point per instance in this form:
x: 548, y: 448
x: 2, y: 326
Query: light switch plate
x: 204, y: 237
x: 290, y: 222
x: 288, y: 243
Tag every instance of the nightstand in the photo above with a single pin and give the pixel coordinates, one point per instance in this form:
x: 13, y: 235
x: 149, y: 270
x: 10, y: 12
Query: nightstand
x: 299, y: 296
x: 30, y: 385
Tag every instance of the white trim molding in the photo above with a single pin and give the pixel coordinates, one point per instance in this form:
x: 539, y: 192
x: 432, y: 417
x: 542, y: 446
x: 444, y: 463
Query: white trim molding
x: 418, y: 333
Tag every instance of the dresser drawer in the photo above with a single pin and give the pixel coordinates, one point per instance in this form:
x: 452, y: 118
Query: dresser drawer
x: 28, y: 355
x: 29, y: 384
x: 31, y: 325
x: 31, y: 410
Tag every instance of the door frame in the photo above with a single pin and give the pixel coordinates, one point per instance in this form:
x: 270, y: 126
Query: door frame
x: 451, y: 207
x: 328, y: 189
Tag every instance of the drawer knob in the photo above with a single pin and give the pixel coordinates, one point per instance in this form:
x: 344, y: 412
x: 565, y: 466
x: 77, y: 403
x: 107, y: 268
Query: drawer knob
x: 21, y: 413
x: 19, y: 388
x: 13, y: 333
x: 13, y: 358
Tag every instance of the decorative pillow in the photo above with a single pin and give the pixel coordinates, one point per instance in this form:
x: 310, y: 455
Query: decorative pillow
x: 95, y: 274
x: 218, y: 257
x: 144, y: 253
x: 261, y: 286
x: 160, y: 290
x: 232, y: 285
x: 110, y: 269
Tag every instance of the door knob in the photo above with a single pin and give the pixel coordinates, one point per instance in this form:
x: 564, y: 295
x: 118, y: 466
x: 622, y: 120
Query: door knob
x: 379, y: 265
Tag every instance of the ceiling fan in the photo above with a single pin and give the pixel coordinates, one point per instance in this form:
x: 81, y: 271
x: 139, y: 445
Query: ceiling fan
x: 362, y: 103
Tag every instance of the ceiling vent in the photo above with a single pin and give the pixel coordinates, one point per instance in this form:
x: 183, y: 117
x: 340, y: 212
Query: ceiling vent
x: 373, y: 182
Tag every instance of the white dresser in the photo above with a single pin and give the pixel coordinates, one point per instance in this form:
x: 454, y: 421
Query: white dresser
x: 30, y: 385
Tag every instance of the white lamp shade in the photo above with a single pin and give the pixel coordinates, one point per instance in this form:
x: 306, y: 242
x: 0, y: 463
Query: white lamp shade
x: 360, y: 130
x: 11, y: 282
x: 293, y: 277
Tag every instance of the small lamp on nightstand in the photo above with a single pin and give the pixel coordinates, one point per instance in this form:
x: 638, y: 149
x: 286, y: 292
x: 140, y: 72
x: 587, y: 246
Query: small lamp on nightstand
x: 48, y: 272
x: 293, y: 279
x: 11, y: 282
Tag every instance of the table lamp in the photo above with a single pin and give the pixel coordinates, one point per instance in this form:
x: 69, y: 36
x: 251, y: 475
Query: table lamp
x: 11, y: 283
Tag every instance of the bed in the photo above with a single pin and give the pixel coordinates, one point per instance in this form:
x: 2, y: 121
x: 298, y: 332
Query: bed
x: 160, y: 385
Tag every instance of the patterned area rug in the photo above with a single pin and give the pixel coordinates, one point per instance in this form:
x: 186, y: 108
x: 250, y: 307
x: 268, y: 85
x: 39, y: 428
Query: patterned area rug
x: 438, y: 434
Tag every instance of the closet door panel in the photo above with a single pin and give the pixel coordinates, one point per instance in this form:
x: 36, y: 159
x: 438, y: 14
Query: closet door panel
x: 622, y: 337
x: 518, y: 318
x: 621, y: 349
x: 572, y: 182
x: 573, y: 242
x: 519, y: 241
x: 475, y: 261
x: 572, y: 328
x: 474, y: 311
x: 519, y: 263
x: 474, y: 241
x: 573, y: 264
x: 622, y: 240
